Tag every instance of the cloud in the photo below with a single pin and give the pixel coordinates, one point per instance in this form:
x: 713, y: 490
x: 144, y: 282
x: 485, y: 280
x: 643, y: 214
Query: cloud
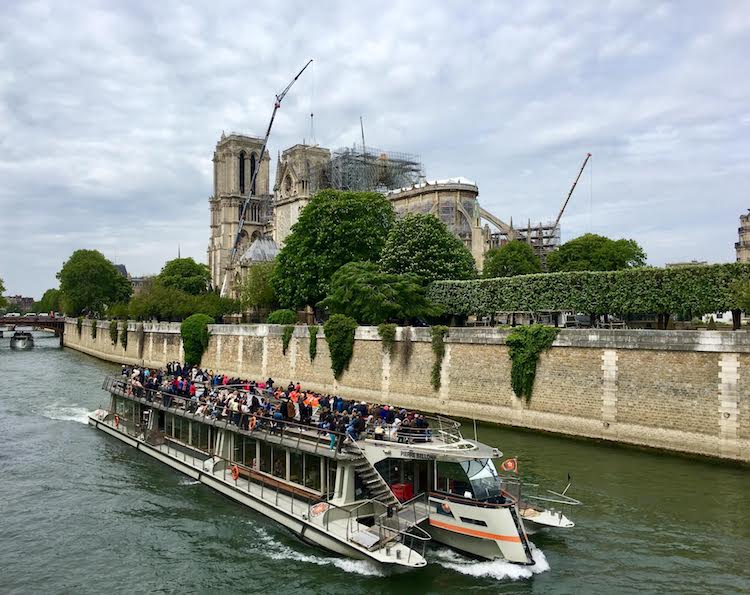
x: 109, y: 114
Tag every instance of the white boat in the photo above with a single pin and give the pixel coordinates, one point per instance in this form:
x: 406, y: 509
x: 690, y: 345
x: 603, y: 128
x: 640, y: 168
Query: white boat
x: 22, y: 340
x: 379, y: 498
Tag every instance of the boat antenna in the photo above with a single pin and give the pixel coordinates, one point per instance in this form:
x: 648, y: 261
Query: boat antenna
x: 246, y: 203
x: 567, y: 487
x: 475, y: 431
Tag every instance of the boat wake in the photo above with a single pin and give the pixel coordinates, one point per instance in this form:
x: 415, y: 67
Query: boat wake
x: 496, y: 569
x: 63, y: 413
x: 188, y: 482
x: 278, y: 551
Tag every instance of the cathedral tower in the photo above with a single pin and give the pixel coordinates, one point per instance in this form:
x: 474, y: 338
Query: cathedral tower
x: 235, y: 159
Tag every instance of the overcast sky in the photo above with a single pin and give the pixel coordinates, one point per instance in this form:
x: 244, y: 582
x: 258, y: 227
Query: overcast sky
x: 110, y: 111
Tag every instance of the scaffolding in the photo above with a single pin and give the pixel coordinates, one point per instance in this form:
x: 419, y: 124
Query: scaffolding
x: 542, y: 237
x: 372, y: 169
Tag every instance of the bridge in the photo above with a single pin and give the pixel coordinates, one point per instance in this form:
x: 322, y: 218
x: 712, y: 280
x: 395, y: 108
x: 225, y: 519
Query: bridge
x: 47, y: 323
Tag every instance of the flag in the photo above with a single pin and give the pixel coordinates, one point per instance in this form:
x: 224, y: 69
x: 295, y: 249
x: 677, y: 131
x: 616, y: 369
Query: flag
x: 510, y: 465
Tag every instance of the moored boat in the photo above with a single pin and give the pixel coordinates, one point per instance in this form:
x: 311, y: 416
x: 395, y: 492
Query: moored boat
x: 380, y: 495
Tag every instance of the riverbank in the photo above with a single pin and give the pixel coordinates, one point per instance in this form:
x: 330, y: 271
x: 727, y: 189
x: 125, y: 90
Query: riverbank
x: 687, y: 391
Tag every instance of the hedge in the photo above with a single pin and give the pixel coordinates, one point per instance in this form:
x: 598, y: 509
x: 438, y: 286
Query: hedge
x: 688, y: 291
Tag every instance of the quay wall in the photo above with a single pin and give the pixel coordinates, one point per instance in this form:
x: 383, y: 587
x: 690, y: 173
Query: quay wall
x: 686, y: 391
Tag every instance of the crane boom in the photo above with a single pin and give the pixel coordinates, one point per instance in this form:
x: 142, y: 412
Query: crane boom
x: 246, y: 203
x: 573, y: 187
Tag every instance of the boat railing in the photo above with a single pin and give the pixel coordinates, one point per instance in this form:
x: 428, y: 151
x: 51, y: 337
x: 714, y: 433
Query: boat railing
x: 524, y: 491
x: 402, y: 524
x: 266, y: 428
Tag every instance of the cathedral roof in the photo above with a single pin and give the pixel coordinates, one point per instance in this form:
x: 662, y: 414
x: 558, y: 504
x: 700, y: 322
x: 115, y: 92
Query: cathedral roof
x: 261, y: 250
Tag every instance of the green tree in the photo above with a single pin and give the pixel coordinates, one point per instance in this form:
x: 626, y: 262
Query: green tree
x: 185, y: 274
x: 333, y: 229
x: 3, y: 301
x: 89, y: 283
x: 50, y: 301
x: 514, y: 258
x: 257, y: 289
x: 363, y: 292
x: 591, y: 252
x: 422, y: 245
x: 170, y: 303
x: 740, y: 291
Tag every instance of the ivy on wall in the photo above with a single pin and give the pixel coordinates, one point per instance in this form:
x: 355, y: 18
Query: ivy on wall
x: 387, y: 332
x: 286, y: 337
x: 407, y: 346
x: 438, y: 349
x: 124, y: 335
x: 194, y: 332
x: 525, y: 344
x: 79, y: 325
x: 313, y: 348
x: 339, y: 331
x: 113, y: 331
x: 93, y: 329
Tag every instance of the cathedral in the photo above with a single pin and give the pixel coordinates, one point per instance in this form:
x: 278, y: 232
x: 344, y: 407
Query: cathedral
x: 302, y: 170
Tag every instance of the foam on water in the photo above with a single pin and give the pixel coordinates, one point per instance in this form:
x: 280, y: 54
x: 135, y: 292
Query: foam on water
x: 278, y: 551
x: 188, y: 482
x: 67, y: 413
x: 497, y: 569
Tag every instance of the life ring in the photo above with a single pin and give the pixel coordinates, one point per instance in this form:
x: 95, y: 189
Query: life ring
x: 117, y: 421
x: 318, y: 508
x: 251, y: 423
x: 235, y: 472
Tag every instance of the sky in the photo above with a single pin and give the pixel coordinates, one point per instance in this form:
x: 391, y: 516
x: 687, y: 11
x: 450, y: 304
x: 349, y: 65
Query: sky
x: 110, y: 112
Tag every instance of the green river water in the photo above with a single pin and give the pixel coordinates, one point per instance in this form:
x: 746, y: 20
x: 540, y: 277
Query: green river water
x: 81, y: 512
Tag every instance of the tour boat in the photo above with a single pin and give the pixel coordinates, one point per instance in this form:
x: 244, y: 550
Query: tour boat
x: 22, y: 340
x: 380, y: 498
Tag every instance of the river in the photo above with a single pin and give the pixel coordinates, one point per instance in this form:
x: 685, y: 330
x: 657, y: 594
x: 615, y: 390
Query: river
x: 81, y: 512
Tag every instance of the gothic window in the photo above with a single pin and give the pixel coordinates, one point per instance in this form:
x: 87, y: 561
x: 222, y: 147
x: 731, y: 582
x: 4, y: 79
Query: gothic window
x: 288, y: 184
x: 252, y: 171
x: 242, y: 172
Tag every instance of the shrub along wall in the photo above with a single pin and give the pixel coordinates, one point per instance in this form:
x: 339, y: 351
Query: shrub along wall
x: 688, y: 291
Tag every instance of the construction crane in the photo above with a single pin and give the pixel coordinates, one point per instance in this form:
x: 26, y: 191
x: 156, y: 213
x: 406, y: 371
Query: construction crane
x: 246, y: 204
x: 573, y: 187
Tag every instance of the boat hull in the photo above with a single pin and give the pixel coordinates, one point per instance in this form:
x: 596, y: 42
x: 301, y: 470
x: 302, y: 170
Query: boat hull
x: 21, y: 344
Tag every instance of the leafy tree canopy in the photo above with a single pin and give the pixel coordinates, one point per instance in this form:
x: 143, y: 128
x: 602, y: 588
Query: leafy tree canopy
x: 257, y: 290
x: 89, y: 283
x: 169, y: 303
x: 50, y: 302
x: 591, y: 252
x: 514, y: 258
x: 422, y: 245
x: 333, y: 229
x: 185, y: 274
x: 740, y: 290
x: 362, y: 291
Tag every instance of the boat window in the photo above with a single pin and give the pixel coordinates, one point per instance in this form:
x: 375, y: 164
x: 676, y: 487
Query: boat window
x: 473, y: 521
x: 477, y: 477
x: 177, y: 427
x: 279, y: 462
x: 296, y: 469
x: 119, y: 406
x: 331, y: 483
x: 244, y: 450
x: 265, y: 457
x: 312, y: 472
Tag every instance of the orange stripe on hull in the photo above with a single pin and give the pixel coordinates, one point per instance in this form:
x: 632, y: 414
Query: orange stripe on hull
x: 474, y: 532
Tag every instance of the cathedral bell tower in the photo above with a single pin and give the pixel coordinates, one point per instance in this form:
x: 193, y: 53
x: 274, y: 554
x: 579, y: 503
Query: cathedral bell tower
x: 236, y: 158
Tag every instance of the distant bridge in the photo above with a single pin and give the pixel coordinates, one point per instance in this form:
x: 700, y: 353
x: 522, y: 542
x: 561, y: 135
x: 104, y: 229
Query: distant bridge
x: 47, y: 323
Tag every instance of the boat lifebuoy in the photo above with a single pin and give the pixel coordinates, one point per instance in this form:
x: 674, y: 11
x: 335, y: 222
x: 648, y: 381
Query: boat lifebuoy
x: 117, y: 421
x: 251, y: 423
x: 318, y: 508
x: 235, y: 472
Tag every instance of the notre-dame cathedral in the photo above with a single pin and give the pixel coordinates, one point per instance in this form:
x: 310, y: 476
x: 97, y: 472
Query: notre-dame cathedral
x: 302, y: 170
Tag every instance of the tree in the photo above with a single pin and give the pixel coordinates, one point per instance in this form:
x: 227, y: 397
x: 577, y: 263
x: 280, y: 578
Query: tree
x: 170, y: 303
x: 591, y: 252
x: 514, y: 258
x: 89, y: 283
x: 3, y: 301
x: 740, y: 290
x: 257, y: 289
x: 423, y: 245
x: 334, y: 228
x: 185, y: 274
x: 362, y: 291
x: 50, y: 301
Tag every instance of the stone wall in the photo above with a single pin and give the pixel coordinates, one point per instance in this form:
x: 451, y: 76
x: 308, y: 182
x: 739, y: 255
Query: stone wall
x: 678, y: 390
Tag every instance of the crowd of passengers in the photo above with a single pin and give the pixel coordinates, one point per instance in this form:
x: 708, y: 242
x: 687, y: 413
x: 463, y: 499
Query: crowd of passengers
x: 252, y: 405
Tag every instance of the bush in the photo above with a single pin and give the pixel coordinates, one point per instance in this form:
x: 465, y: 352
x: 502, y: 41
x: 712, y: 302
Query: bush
x: 93, y: 329
x: 286, y: 337
x: 282, y: 317
x: 438, y: 349
x: 194, y: 331
x: 313, y: 342
x: 124, y: 335
x: 687, y: 291
x: 113, y: 331
x: 525, y: 343
x: 387, y: 334
x: 339, y: 331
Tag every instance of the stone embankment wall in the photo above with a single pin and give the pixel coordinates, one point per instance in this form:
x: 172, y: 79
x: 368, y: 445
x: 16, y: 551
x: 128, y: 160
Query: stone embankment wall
x: 680, y: 390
